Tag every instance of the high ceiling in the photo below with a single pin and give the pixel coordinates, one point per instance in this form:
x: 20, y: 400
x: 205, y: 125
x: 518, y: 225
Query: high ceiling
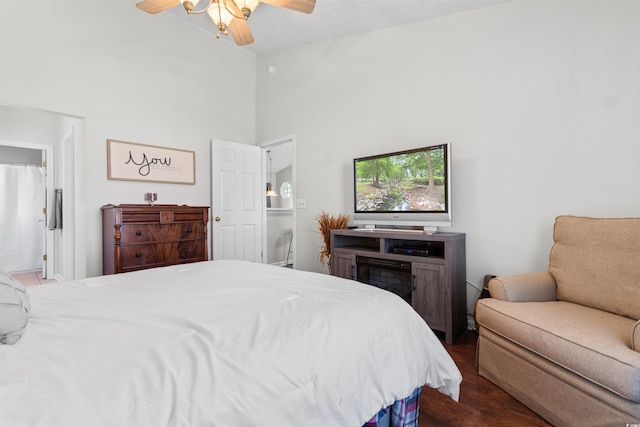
x: 276, y: 28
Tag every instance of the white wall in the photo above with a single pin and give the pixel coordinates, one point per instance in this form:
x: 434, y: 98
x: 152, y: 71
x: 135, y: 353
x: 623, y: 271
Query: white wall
x: 540, y: 100
x: 30, y: 126
x: 21, y: 156
x: 134, y: 77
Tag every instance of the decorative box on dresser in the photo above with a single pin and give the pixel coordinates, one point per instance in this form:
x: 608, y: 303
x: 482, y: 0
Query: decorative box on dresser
x: 135, y: 237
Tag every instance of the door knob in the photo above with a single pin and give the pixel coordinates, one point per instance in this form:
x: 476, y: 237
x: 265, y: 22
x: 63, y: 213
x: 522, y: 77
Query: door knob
x: 217, y: 219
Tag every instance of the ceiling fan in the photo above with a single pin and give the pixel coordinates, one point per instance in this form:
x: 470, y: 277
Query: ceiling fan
x: 228, y: 15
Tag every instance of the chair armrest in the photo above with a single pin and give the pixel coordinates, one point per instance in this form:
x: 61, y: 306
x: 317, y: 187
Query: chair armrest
x: 529, y: 287
x: 635, y: 337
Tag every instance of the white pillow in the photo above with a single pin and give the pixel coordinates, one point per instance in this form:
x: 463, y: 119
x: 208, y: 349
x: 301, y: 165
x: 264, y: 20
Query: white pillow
x: 14, y: 309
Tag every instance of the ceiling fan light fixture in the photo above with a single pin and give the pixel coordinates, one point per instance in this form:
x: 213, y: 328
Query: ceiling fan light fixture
x: 189, y: 5
x: 247, y: 6
x: 219, y: 15
x: 227, y: 15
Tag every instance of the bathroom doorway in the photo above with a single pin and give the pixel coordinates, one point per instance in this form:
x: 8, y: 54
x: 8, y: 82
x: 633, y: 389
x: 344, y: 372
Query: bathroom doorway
x: 26, y: 177
x: 279, y: 218
x: 61, y: 137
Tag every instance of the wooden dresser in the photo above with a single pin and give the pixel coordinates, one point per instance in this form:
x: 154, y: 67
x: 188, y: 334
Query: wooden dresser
x: 135, y: 237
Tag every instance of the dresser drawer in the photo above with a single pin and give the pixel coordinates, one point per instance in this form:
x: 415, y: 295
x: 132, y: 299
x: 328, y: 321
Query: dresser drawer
x: 164, y: 215
x: 144, y: 233
x: 156, y: 254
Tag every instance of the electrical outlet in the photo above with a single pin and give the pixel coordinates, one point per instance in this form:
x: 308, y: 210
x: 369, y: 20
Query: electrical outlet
x: 301, y: 203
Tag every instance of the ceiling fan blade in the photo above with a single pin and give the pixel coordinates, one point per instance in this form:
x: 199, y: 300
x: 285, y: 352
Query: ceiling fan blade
x: 305, y: 6
x: 156, y: 6
x: 240, y: 32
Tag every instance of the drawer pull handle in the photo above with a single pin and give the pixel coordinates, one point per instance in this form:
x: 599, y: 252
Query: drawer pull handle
x: 138, y: 255
x: 138, y: 233
x: 190, y: 230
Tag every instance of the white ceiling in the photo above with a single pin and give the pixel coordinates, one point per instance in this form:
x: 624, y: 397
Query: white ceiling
x: 276, y: 28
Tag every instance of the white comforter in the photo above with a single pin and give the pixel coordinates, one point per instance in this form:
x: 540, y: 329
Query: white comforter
x: 218, y: 343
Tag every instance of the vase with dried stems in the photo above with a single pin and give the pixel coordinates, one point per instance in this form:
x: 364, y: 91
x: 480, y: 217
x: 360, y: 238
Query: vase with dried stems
x: 326, y: 223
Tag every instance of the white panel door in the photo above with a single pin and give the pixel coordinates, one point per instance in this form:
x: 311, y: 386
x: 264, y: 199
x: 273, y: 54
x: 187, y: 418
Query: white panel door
x: 236, y: 201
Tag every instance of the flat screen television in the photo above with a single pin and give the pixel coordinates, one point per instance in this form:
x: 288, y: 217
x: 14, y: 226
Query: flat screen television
x: 404, y: 189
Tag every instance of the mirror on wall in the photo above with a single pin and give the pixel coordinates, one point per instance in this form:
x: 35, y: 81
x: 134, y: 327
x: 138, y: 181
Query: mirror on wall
x: 279, y: 189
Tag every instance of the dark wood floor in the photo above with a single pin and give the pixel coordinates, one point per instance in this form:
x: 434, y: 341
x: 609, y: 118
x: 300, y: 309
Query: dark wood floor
x: 481, y: 402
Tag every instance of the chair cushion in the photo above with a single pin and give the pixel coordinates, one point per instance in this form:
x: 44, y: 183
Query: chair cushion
x: 593, y: 344
x: 14, y: 309
x: 596, y: 262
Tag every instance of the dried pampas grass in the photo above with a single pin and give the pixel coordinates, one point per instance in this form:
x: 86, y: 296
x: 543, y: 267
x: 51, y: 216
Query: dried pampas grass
x: 326, y: 223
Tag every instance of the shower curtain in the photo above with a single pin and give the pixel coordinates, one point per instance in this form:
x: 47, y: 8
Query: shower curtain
x: 22, y: 222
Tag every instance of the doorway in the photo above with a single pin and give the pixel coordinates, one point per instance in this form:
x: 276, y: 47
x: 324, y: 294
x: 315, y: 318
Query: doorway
x: 279, y: 217
x: 61, y: 137
x: 26, y: 179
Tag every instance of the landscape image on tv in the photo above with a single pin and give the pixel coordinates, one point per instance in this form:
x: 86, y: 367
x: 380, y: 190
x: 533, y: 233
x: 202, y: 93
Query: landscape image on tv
x: 409, y: 181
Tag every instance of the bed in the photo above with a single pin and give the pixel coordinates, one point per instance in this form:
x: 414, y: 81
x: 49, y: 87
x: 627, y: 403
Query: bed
x: 218, y: 343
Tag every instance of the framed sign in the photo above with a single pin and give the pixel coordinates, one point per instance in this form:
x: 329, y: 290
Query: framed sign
x: 128, y: 161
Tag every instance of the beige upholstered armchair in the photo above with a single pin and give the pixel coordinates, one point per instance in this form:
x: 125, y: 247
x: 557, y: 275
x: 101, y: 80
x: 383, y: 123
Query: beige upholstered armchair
x: 566, y: 342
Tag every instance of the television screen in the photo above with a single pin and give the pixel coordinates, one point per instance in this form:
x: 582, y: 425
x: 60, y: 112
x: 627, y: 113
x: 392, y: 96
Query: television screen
x: 405, y: 182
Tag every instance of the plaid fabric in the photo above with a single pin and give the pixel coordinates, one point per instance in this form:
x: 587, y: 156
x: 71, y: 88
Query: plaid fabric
x: 403, y: 413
